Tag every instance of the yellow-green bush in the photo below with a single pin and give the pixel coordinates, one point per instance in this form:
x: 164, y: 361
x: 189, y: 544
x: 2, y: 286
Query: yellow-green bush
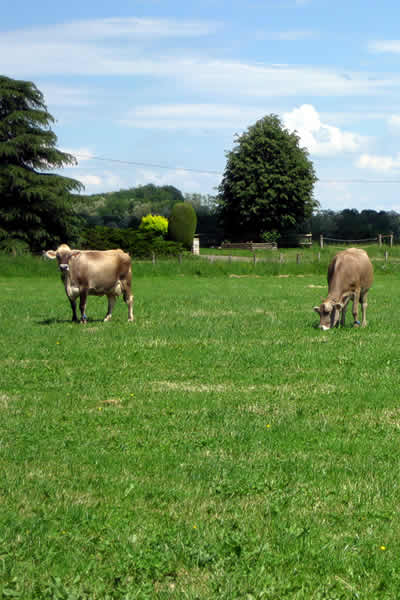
x: 154, y: 224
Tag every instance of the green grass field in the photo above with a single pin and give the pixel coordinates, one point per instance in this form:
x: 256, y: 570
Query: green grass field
x: 219, y: 447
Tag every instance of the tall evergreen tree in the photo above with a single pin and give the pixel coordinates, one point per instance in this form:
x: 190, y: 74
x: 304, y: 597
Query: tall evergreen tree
x: 267, y: 184
x: 35, y: 205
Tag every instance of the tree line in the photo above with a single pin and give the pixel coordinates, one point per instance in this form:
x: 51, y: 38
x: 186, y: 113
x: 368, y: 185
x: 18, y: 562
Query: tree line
x: 126, y: 208
x: 266, y: 192
x: 351, y: 224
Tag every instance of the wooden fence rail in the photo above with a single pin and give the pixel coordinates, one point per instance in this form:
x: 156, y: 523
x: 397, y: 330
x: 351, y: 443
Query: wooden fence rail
x: 249, y: 246
x: 379, y: 239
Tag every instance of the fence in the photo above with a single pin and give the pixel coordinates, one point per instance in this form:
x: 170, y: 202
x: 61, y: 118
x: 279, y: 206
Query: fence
x: 381, y: 236
x: 249, y: 246
x: 299, y: 258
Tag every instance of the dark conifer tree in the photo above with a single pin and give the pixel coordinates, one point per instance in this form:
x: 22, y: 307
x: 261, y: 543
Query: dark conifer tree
x: 36, y: 206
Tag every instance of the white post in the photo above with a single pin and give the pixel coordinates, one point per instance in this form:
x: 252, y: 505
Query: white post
x: 196, y: 245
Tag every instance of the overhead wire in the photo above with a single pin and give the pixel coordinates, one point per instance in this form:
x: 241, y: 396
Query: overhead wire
x: 210, y: 172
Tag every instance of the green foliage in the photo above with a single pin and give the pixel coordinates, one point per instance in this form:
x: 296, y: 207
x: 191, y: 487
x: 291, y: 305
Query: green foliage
x: 35, y: 205
x: 13, y: 246
x: 127, y: 207
x: 139, y: 244
x: 267, y: 184
x: 182, y: 224
x: 155, y: 224
x: 270, y: 236
x: 352, y: 224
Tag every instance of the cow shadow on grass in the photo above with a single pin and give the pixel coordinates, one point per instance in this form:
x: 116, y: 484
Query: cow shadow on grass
x: 54, y: 321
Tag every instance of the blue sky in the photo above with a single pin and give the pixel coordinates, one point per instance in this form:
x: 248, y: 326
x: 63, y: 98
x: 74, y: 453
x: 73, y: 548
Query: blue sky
x: 148, y: 84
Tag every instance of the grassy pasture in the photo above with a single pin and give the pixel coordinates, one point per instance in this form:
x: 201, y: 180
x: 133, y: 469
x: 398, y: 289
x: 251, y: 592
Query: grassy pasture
x: 220, y: 447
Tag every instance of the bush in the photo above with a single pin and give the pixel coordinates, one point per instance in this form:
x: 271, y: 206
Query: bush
x: 182, y: 224
x: 155, y: 224
x: 138, y: 244
x: 14, y: 246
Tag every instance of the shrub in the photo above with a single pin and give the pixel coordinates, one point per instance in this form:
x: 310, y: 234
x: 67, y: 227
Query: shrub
x: 139, y: 244
x: 182, y: 224
x: 155, y: 224
x: 14, y: 246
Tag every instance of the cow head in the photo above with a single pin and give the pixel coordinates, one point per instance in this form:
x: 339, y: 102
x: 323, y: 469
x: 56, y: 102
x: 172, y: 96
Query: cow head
x: 329, y: 313
x: 63, y: 254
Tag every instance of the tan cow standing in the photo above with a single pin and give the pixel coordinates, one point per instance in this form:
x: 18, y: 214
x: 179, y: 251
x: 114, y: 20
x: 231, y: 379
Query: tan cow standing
x: 350, y: 275
x: 94, y: 273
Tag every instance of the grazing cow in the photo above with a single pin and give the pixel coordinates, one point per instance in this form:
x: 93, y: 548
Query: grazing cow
x: 96, y: 273
x: 350, y: 276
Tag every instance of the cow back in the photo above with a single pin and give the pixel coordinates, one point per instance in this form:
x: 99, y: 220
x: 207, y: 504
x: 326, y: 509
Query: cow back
x: 349, y: 270
x: 100, y: 270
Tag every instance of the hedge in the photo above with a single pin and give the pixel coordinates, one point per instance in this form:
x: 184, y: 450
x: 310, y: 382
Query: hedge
x: 139, y: 244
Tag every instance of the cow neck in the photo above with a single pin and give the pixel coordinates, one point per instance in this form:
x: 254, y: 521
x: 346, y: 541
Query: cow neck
x: 335, y: 298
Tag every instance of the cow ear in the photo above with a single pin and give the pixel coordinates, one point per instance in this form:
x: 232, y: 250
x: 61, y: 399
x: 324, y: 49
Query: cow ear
x: 317, y: 309
x: 338, y: 306
x: 75, y: 253
x: 49, y: 254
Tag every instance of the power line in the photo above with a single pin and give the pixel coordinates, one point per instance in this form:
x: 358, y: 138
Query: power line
x: 207, y: 172
x: 359, y: 180
x: 141, y: 164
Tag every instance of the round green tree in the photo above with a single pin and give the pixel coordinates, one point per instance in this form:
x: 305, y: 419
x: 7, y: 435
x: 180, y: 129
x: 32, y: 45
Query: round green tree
x: 267, y: 183
x: 182, y: 224
x: 36, y: 206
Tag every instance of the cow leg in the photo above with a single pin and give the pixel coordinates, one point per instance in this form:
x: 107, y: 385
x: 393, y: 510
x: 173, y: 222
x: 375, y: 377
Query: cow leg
x: 82, y: 306
x: 355, y: 308
x: 73, y: 306
x: 111, y: 302
x: 344, y: 309
x: 128, y: 298
x: 364, y: 304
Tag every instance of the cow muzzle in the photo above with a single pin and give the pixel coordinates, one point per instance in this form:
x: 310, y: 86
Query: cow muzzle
x: 64, y: 267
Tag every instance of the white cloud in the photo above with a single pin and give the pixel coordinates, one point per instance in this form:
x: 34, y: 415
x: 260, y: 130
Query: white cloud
x: 81, y: 154
x: 385, y: 46
x: 383, y: 164
x: 181, y: 179
x: 61, y: 95
x: 257, y: 80
x: 336, y: 195
x: 394, y: 121
x: 317, y: 137
x: 90, y: 180
x: 96, y: 48
x: 108, y: 28
x: 192, y: 116
x: 106, y: 181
